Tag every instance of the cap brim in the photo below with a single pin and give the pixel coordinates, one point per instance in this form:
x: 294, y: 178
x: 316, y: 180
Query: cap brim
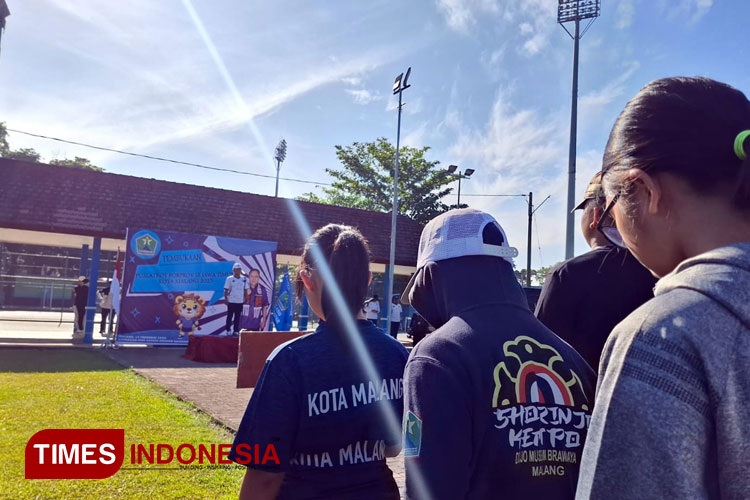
x: 580, y: 206
x: 405, y: 296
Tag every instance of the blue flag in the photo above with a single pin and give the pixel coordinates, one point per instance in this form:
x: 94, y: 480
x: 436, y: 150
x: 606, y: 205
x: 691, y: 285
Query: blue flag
x: 282, y: 311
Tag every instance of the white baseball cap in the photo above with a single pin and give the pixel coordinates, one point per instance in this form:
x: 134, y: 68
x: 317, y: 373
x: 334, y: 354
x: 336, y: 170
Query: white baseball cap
x: 236, y: 265
x: 459, y: 233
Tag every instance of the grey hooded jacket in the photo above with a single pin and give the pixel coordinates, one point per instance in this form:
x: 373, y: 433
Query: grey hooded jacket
x: 672, y: 411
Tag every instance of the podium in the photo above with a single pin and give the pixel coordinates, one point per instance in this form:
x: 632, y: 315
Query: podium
x: 254, y: 349
x: 210, y: 349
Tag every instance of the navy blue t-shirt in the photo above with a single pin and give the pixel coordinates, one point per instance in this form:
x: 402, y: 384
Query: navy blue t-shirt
x: 497, y: 406
x: 324, y: 417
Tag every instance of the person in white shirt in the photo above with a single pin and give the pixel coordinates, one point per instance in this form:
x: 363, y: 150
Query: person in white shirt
x: 236, y: 293
x: 372, y: 310
x: 396, y: 310
x: 105, y: 302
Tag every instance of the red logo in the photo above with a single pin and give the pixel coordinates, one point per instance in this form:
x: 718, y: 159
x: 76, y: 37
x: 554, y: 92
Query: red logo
x: 75, y: 453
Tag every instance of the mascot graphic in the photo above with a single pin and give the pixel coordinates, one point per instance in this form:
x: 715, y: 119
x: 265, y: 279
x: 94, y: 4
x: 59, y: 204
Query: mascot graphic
x: 188, y: 308
x: 534, y: 373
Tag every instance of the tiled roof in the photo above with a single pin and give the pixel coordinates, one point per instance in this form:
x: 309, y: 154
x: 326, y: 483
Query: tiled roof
x: 60, y: 199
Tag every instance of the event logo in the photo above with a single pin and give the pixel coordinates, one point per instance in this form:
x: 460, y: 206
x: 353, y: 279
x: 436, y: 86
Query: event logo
x: 74, y: 453
x: 146, y: 244
x: 534, y: 373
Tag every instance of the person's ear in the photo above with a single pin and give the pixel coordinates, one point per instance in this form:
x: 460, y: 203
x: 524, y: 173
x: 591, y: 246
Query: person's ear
x: 652, y: 190
x: 308, y: 280
x: 596, y: 217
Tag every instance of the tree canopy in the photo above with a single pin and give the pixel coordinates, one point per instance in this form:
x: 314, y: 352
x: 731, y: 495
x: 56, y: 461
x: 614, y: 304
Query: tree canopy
x: 365, y: 180
x: 31, y: 155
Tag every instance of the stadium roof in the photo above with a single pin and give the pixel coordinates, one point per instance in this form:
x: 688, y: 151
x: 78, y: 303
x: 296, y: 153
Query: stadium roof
x: 66, y: 200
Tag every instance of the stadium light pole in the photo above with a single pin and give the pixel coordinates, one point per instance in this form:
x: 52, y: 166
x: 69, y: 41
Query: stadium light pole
x: 574, y: 11
x: 280, y: 156
x: 532, y: 210
x: 401, y: 84
x: 461, y: 175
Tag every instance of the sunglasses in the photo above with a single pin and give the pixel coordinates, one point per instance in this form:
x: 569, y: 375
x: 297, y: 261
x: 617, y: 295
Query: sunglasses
x: 610, y: 232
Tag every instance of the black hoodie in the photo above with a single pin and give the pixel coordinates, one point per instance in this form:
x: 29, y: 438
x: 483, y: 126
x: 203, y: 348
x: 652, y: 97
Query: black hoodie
x: 496, y: 405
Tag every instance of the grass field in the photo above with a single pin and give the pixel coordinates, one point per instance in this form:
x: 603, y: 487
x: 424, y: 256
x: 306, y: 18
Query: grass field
x: 73, y: 388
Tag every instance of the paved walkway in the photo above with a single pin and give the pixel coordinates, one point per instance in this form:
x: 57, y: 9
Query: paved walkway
x: 41, y: 327
x: 210, y: 387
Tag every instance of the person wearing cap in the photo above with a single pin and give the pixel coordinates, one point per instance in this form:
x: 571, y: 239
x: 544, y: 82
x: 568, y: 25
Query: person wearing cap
x: 236, y: 293
x: 585, y: 297
x: 496, y: 405
x: 80, y: 299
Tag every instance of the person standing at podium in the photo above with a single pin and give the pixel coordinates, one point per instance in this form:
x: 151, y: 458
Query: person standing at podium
x: 236, y: 293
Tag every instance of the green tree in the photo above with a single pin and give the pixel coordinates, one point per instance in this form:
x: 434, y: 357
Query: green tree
x: 30, y: 154
x: 365, y: 180
x: 77, y: 162
x: 23, y: 154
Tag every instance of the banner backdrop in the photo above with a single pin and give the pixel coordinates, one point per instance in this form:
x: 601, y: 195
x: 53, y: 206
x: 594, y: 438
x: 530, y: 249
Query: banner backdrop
x: 173, y: 285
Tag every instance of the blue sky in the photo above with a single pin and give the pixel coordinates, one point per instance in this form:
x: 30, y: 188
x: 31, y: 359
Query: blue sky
x: 220, y: 82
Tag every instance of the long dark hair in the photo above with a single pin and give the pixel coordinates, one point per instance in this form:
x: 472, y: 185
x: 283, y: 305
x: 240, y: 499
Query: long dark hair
x: 347, y: 254
x: 686, y: 126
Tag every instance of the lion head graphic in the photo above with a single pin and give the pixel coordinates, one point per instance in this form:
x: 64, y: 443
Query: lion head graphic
x: 188, y: 308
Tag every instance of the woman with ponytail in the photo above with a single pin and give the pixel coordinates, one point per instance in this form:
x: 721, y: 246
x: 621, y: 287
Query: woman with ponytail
x: 330, y: 424
x: 672, y: 411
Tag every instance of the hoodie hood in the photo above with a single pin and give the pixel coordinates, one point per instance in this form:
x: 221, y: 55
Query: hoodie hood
x: 450, y: 287
x: 722, y: 274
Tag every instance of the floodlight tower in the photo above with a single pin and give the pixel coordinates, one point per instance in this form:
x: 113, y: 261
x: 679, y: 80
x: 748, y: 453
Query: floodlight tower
x: 280, y: 156
x: 401, y: 84
x: 574, y: 11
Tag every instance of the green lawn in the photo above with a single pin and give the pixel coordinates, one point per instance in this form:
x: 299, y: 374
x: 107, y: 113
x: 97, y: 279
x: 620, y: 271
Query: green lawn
x: 73, y: 388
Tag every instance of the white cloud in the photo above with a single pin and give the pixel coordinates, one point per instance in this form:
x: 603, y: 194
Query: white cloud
x: 517, y: 151
x: 457, y: 14
x: 592, y: 103
x: 536, y: 19
x: 352, y: 80
x: 143, y: 95
x: 625, y: 14
x: 364, y: 96
x: 416, y: 137
x: 692, y: 10
x: 535, y: 44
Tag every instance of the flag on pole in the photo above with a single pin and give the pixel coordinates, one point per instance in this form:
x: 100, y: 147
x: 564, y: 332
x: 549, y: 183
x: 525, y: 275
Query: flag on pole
x: 282, y: 311
x: 114, y: 288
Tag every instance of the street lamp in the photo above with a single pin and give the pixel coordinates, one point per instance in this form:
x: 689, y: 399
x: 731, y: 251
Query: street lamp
x: 574, y: 11
x: 280, y: 156
x: 461, y: 175
x: 401, y: 84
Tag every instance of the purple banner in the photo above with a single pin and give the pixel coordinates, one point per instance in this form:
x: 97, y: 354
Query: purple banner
x: 173, y: 285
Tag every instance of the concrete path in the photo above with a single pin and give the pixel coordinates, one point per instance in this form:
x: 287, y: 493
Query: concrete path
x: 41, y: 327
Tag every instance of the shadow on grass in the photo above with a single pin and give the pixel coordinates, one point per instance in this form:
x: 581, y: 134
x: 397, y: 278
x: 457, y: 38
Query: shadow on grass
x: 53, y: 360
x: 158, y: 357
